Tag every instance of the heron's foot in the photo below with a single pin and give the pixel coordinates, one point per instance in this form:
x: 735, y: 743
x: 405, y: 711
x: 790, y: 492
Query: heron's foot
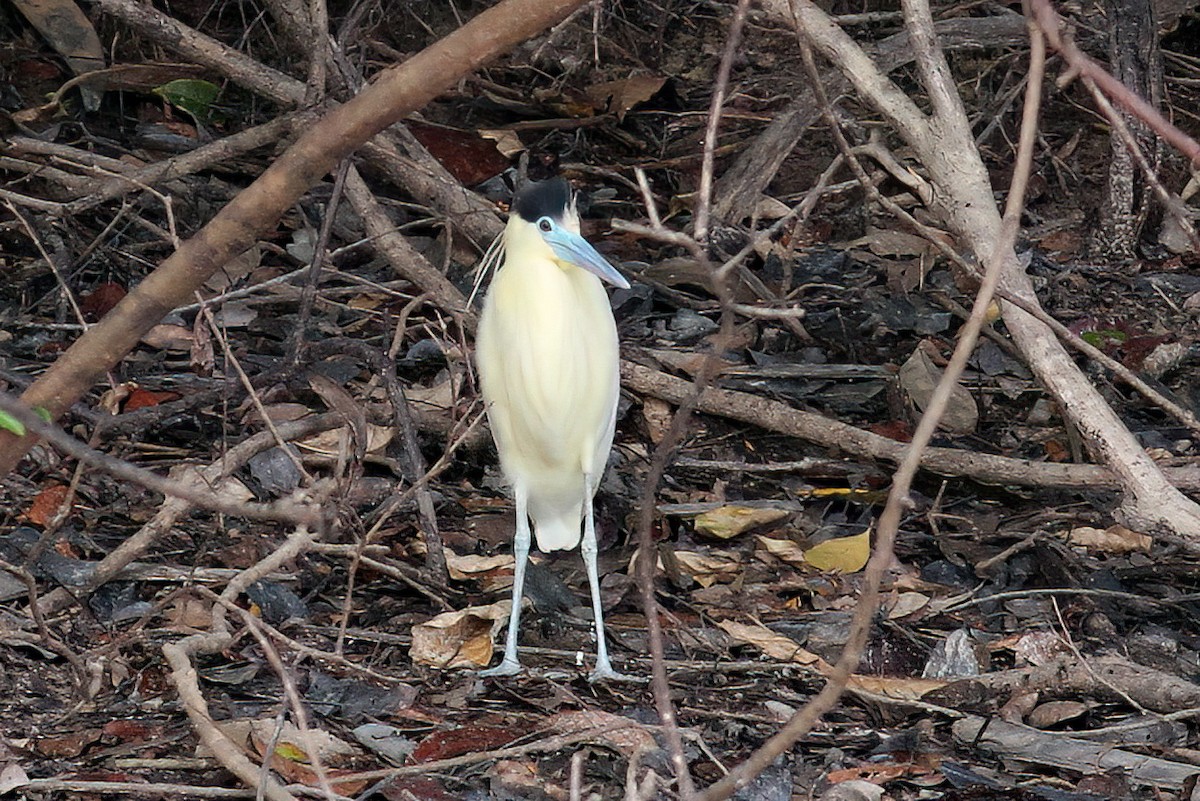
x: 605, y: 672
x: 508, y: 667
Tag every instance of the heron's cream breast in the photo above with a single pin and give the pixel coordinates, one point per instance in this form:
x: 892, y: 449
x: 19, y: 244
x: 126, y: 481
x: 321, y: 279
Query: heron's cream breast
x: 547, y: 355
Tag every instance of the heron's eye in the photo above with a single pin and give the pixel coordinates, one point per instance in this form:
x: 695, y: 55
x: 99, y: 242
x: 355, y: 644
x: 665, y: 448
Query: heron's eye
x: 546, y: 225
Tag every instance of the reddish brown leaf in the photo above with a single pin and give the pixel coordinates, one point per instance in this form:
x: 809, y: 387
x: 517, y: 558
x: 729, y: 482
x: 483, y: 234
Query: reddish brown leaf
x: 67, y: 745
x: 469, y: 158
x: 100, y: 301
x: 342, y: 780
x: 46, y: 505
x: 463, y: 740
x: 36, y: 69
x: 1056, y: 451
x: 141, y: 398
x: 132, y: 731
x: 421, y: 788
x: 899, y: 430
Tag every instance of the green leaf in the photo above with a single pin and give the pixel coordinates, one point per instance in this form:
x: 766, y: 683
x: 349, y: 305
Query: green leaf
x: 1103, y: 336
x: 10, y: 423
x: 193, y: 95
x: 44, y: 413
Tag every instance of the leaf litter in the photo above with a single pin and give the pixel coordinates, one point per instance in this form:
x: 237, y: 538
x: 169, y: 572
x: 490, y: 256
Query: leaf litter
x: 991, y: 584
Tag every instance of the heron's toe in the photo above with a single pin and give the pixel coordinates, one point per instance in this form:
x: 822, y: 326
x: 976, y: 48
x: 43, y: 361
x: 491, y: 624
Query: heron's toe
x: 509, y: 667
x: 607, y: 673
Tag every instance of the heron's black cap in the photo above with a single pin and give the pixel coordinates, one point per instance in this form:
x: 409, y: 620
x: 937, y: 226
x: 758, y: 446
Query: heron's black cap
x: 539, y: 199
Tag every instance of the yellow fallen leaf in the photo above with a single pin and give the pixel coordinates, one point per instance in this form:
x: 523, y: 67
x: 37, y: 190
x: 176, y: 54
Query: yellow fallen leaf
x: 728, y: 521
x: 877, y: 497
x: 841, y: 555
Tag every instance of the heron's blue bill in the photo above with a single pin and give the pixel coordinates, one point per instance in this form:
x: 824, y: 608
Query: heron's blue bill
x: 575, y: 249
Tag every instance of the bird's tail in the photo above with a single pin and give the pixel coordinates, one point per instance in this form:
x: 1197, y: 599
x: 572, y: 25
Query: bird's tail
x: 558, y: 532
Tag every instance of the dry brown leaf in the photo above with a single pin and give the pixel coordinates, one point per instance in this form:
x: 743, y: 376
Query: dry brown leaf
x: 620, y: 97
x: 1018, y: 707
x: 908, y: 603
x: 507, y: 141
x: 278, y: 413
x: 169, y: 337
x: 189, y: 615
x: 919, y: 375
x: 773, y: 645
x: 728, y: 521
x: 291, y: 759
x: 328, y: 443
x: 47, y: 505
x: 1114, y: 539
x: 709, y: 567
x: 235, y: 270
x: 658, y: 416
x: 900, y: 689
x: 891, y: 243
x: 1040, y: 648
x: 471, y: 566
x: 293, y: 743
x: 1053, y: 713
x: 624, y: 734
x: 784, y: 550
x: 459, y: 639
x: 114, y: 398
x: 519, y: 778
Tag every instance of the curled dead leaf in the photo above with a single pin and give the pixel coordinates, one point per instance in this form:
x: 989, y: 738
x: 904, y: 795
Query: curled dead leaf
x: 783, y: 550
x: 710, y: 567
x: 773, y: 645
x: 459, y: 639
x: 1114, y: 539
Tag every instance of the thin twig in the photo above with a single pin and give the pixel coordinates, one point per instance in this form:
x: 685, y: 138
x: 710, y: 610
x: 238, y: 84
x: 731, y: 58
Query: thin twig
x: 282, y: 510
x: 919, y: 20
x: 720, y: 87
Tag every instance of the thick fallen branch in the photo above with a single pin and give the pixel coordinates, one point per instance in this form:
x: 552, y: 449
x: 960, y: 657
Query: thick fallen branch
x: 944, y: 143
x: 398, y: 91
x: 756, y: 166
x: 1036, y: 747
x: 179, y: 656
x: 211, y: 478
x: 857, y: 443
x: 1114, y: 678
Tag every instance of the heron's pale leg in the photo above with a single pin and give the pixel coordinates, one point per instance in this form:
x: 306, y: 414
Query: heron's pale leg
x: 604, y: 668
x: 510, y: 665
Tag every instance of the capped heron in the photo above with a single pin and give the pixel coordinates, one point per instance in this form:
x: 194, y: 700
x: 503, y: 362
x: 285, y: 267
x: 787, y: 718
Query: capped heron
x: 546, y: 351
